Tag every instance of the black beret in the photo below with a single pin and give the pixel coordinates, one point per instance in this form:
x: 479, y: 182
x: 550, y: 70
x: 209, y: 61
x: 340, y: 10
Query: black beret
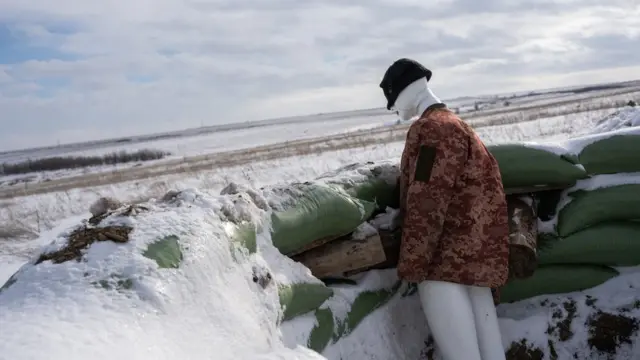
x: 400, y: 75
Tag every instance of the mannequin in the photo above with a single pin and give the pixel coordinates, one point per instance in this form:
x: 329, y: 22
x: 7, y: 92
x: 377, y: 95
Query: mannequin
x: 453, y: 216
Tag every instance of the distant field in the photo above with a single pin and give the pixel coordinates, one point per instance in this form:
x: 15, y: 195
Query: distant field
x: 213, y: 138
x: 300, y: 136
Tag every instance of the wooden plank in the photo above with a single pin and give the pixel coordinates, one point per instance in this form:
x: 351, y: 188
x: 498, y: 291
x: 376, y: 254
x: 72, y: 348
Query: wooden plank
x: 317, y: 243
x: 523, y: 235
x: 391, y: 245
x: 342, y: 256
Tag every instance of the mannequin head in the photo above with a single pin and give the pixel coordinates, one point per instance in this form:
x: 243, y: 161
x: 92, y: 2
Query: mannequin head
x: 405, y: 86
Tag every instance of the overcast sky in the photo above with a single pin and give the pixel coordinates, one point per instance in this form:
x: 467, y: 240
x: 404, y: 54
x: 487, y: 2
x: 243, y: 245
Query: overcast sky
x: 73, y: 70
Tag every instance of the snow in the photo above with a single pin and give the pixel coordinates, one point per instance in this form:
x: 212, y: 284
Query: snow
x: 211, y: 292
x: 627, y: 117
x: 210, y: 307
x: 385, y: 220
x: 552, y: 148
x: 605, y: 180
x: 624, y: 122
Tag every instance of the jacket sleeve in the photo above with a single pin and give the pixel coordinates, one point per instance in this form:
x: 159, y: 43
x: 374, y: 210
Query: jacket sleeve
x: 434, y: 157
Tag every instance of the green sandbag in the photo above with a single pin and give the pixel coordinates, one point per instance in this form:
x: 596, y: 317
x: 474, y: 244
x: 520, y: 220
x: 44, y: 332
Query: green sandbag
x: 373, y: 182
x: 588, y: 208
x: 245, y: 235
x: 364, y: 304
x: 316, y: 212
x: 166, y: 252
x: 556, y: 279
x: 378, y: 191
x: 613, y: 244
x: 301, y: 298
x: 523, y: 166
x: 323, y: 331
x: 612, y: 155
x: 546, y: 240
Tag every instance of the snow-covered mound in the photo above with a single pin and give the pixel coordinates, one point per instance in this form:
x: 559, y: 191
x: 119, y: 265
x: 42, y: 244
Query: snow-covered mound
x: 164, y: 284
x: 626, y: 117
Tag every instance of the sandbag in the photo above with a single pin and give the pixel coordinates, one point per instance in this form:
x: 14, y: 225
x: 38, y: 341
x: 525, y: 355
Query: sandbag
x: 588, y: 208
x: 371, y: 181
x: 328, y: 328
x: 322, y: 332
x: 244, y: 235
x: 312, y: 212
x: 525, y: 166
x: 166, y: 252
x: 301, y: 298
x: 556, y: 279
x: 612, y: 155
x: 613, y: 243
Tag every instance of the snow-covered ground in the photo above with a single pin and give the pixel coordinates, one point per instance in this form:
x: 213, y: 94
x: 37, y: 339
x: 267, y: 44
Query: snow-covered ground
x: 209, y: 309
x: 43, y: 211
x: 186, y: 149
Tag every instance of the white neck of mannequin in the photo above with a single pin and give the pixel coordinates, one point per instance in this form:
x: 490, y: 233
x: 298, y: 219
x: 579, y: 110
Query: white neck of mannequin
x: 428, y: 99
x: 415, y: 99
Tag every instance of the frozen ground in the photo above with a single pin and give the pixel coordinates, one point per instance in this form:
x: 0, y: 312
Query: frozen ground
x: 50, y: 310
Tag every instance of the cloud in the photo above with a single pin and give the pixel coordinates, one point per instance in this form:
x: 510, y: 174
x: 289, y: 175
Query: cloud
x: 75, y: 70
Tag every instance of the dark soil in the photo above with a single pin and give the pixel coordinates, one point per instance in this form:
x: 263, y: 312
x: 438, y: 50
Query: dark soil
x: 261, y: 276
x: 591, y: 301
x: 562, y: 318
x: 524, y: 351
x: 428, y: 352
x: 81, y: 238
x: 608, y: 331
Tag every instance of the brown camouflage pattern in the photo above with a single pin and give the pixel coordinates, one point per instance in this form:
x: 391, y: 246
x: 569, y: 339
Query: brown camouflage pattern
x: 523, y: 233
x: 454, y: 226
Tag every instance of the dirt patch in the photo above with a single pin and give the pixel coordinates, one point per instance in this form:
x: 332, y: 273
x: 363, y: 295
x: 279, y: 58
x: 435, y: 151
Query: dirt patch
x: 429, y: 350
x: 562, y: 318
x: 608, y: 331
x: 81, y: 238
x: 522, y: 350
x: 262, y: 277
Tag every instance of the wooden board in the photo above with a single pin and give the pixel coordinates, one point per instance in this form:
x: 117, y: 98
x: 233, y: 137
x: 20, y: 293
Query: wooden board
x: 343, y: 256
x: 523, y: 235
x: 391, y: 245
x: 317, y: 243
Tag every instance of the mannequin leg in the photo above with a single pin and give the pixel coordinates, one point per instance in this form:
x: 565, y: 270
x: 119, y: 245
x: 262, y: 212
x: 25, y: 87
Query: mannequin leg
x: 449, y: 314
x: 486, y: 320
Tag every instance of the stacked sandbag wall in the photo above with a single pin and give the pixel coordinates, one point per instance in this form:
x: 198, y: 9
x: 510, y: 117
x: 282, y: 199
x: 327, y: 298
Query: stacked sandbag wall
x: 593, y: 227
x: 593, y: 233
x: 311, y: 213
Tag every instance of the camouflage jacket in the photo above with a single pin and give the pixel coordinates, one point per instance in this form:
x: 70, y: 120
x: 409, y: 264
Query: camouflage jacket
x: 453, y: 205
